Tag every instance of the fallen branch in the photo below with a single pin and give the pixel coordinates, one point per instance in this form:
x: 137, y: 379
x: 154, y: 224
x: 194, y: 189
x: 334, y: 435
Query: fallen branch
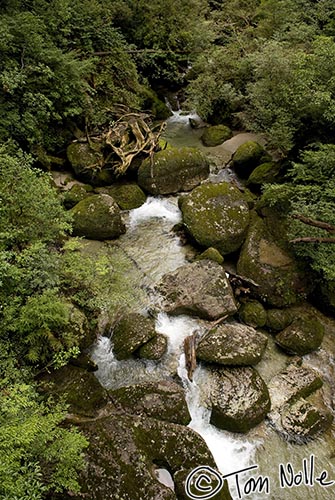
x: 190, y: 355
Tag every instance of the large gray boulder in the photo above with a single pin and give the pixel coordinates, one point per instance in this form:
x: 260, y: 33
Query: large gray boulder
x: 200, y: 289
x: 97, y: 217
x: 173, y: 170
x: 240, y: 399
x: 281, y: 283
x: 216, y: 215
x: 232, y: 344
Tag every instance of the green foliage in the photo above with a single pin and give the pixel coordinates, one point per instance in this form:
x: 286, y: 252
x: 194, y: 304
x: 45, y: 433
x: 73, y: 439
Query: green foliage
x: 167, y: 34
x: 51, y: 73
x: 310, y: 193
x: 37, y: 456
x: 30, y: 210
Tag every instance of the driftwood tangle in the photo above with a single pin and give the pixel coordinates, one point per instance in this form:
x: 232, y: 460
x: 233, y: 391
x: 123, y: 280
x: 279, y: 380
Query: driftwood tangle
x: 190, y: 355
x: 129, y: 135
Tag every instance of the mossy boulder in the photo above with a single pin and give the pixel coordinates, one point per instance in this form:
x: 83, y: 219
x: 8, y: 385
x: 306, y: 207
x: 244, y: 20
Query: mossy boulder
x: 164, y: 400
x: 152, y: 103
x: 154, y: 349
x: 130, y: 333
x: 124, y: 452
x: 216, y: 215
x: 211, y: 254
x: 213, y: 136
x: 97, y: 217
x: 173, y: 170
x: 240, y: 399
x: 232, y: 344
x: 302, y: 336
x: 86, y: 160
x: 279, y: 319
x: 253, y: 314
x: 127, y: 195
x: 266, y: 172
x: 200, y: 289
x: 280, y: 281
x: 80, y: 389
x: 303, y: 421
x: 75, y: 194
x: 247, y: 157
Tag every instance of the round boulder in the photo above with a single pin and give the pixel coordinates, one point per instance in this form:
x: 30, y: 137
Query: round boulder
x: 130, y: 333
x: 253, y: 314
x: 216, y: 215
x: 240, y: 399
x: 303, y: 335
x: 173, y: 170
x: 232, y: 344
x: 213, y: 136
x: 247, y: 157
x: 77, y: 193
x: 86, y: 161
x: 127, y: 196
x: 97, y: 217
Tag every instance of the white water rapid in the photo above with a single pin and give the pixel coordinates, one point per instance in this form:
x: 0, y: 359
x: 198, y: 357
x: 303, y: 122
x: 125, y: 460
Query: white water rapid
x: 153, y: 221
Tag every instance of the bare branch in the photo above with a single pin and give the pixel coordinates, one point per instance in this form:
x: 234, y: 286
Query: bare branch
x: 311, y: 239
x: 315, y: 223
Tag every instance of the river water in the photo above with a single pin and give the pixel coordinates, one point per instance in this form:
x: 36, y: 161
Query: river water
x: 156, y: 250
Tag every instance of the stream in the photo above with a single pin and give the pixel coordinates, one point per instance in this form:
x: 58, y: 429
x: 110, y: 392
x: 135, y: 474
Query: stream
x: 156, y: 250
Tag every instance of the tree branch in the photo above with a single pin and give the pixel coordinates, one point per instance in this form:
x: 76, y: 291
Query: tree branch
x: 311, y: 239
x: 315, y: 223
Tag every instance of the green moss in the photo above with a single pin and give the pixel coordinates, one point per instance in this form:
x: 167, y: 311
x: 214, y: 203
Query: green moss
x: 247, y: 157
x: 213, y: 136
x: 154, y: 349
x: 130, y: 333
x: 85, y: 161
x: 152, y: 103
x: 97, y: 217
x: 279, y: 319
x: 216, y: 215
x: 266, y: 172
x: 77, y: 193
x: 127, y: 196
x: 253, y: 314
x: 302, y: 336
x: 211, y: 254
x: 173, y: 170
x: 281, y: 282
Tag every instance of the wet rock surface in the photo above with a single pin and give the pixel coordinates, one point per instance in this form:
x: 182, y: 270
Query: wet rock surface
x: 232, y: 344
x: 240, y: 399
x: 303, y: 335
x: 200, y: 289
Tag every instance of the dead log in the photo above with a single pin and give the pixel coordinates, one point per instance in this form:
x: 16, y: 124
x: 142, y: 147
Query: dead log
x: 190, y: 355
